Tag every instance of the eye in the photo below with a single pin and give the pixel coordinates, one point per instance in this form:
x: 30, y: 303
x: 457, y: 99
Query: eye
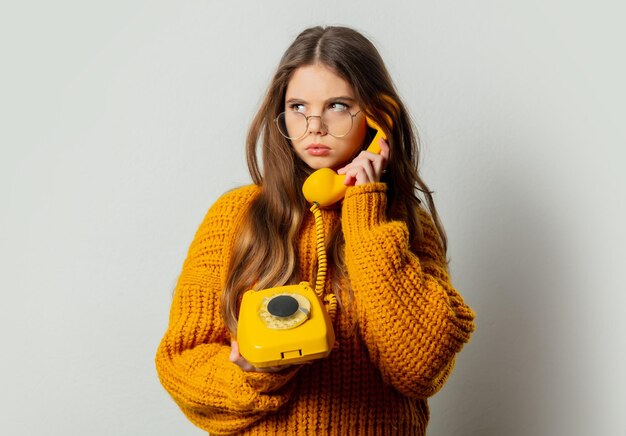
x: 296, y: 107
x: 338, y: 106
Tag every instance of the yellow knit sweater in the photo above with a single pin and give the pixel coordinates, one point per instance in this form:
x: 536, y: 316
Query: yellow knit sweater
x: 411, y: 323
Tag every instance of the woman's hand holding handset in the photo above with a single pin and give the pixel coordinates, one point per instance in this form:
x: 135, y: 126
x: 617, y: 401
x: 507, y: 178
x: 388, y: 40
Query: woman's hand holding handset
x: 367, y: 167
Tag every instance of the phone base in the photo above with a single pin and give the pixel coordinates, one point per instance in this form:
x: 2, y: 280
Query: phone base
x: 284, y: 325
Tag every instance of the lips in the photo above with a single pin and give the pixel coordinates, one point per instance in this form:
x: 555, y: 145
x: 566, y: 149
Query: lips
x: 317, y: 150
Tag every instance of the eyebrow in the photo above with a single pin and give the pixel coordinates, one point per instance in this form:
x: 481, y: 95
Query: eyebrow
x: 341, y: 97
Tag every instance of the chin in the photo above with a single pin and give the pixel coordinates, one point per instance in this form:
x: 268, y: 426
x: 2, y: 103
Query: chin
x: 316, y: 164
x: 330, y: 165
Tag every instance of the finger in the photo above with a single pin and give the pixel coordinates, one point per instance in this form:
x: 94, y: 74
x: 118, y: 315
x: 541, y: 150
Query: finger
x: 361, y: 176
x: 378, y: 166
x: 371, y: 156
x: 237, y: 358
x: 376, y: 161
x: 370, y: 172
x: 349, y: 172
x: 379, y: 161
x: 349, y: 180
x: 234, y: 351
x: 368, y: 166
x: 360, y: 171
x: 242, y: 363
x: 384, y: 149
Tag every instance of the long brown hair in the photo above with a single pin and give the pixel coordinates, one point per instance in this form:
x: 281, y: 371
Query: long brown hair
x: 265, y: 252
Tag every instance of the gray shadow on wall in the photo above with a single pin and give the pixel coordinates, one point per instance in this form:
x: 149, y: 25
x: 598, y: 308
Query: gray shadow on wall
x: 511, y: 269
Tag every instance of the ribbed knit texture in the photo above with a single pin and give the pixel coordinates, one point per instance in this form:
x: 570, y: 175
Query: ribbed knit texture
x: 411, y: 323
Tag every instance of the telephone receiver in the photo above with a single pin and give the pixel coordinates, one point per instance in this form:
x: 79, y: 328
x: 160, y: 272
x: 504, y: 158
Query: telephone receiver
x: 325, y: 187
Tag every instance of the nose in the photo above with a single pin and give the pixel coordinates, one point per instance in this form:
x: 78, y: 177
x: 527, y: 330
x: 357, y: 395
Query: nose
x: 316, y: 126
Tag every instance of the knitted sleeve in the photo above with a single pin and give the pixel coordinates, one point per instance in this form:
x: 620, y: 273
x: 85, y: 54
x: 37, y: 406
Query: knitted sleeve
x: 193, y: 357
x: 412, y: 320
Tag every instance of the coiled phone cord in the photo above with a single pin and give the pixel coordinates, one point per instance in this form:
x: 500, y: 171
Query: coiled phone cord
x: 330, y: 300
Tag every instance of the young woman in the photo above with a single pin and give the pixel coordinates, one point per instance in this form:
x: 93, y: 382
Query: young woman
x: 399, y: 322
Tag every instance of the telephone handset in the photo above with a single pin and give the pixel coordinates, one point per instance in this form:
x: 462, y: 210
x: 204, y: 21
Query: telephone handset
x: 325, y: 186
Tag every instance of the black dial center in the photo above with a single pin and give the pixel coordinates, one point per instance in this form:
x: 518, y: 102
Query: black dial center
x: 283, y: 306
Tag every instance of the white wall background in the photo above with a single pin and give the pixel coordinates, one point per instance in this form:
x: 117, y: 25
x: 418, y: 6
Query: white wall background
x: 122, y: 121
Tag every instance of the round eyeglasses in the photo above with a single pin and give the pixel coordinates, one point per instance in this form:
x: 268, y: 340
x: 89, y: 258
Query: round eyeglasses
x: 294, y: 125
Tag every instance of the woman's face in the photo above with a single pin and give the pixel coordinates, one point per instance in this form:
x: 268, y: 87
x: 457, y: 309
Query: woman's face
x: 315, y: 90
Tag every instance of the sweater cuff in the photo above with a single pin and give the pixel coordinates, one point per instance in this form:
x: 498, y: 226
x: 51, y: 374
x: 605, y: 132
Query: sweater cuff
x: 267, y: 382
x: 364, y: 207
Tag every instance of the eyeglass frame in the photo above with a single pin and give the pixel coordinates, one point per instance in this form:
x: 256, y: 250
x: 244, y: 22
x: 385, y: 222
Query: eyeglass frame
x: 307, y: 117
